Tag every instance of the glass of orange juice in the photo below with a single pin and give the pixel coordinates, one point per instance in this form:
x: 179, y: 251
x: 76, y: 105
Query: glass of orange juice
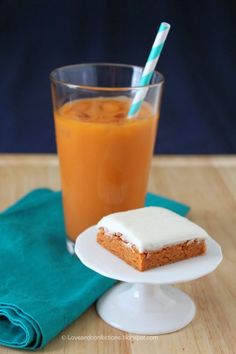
x: 104, y: 155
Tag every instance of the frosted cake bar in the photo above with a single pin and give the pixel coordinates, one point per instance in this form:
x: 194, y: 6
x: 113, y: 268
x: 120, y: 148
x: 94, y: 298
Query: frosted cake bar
x: 151, y: 237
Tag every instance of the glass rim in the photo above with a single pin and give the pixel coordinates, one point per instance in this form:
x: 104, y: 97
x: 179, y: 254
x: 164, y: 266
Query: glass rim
x: 101, y: 88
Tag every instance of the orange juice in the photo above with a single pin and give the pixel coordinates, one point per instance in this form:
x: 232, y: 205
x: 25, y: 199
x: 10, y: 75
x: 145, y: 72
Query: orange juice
x: 104, y: 158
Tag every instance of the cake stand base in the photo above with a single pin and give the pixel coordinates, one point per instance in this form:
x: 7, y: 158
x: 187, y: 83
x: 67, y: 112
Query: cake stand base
x: 147, y: 309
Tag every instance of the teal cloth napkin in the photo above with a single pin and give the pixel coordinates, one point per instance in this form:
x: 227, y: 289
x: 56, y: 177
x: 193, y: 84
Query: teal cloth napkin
x: 43, y: 288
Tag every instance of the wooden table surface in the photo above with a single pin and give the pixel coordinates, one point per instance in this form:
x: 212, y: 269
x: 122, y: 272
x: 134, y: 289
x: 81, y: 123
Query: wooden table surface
x: 208, y: 185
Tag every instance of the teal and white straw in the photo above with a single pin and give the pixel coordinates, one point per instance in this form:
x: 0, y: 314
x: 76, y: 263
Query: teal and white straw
x: 149, y: 68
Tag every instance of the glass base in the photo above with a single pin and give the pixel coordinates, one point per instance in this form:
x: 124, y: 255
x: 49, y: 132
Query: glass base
x: 70, y: 245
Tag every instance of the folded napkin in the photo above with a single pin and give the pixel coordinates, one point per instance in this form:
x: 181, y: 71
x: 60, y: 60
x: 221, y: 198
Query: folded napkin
x: 43, y: 288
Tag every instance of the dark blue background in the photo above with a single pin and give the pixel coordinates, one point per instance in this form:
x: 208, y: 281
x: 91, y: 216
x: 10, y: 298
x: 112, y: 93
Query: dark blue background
x: 198, y: 61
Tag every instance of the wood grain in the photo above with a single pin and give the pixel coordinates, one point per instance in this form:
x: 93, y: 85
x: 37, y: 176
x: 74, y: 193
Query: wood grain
x: 208, y: 184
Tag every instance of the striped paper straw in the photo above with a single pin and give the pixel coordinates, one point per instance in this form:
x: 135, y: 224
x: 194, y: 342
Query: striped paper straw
x: 149, y: 68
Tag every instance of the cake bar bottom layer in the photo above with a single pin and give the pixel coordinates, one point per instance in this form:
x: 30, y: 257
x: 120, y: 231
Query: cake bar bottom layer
x: 147, y: 260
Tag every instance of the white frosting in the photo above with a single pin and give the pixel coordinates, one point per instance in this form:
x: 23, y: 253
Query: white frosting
x: 151, y: 228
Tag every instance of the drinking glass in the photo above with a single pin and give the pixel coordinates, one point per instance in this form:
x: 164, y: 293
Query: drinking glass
x: 104, y: 155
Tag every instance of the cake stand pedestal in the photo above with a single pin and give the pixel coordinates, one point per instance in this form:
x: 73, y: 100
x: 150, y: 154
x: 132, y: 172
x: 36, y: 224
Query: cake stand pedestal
x: 144, y: 303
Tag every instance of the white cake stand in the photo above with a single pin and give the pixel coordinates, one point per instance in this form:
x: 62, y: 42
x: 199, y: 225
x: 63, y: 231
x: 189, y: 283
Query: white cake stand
x: 143, y: 303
